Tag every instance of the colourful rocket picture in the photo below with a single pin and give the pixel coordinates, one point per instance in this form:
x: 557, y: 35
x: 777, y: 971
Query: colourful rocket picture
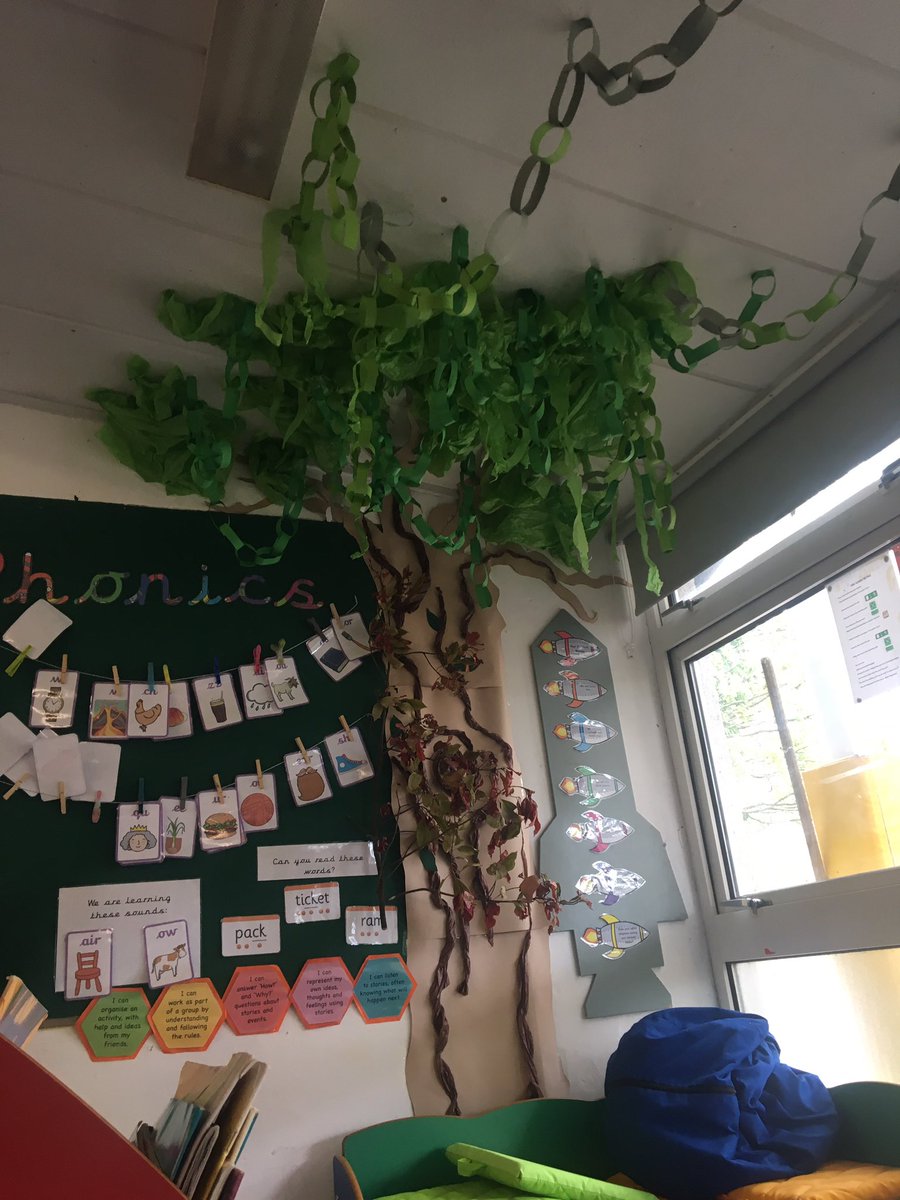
x: 617, y: 935
x: 576, y: 690
x: 569, y: 650
x: 598, y: 832
x: 609, y: 882
x: 584, y: 733
x: 590, y: 785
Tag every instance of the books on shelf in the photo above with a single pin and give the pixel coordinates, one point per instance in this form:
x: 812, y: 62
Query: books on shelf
x: 199, y: 1138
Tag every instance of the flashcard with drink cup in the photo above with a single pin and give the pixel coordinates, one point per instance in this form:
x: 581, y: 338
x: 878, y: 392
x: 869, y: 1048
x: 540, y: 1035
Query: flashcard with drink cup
x: 217, y: 701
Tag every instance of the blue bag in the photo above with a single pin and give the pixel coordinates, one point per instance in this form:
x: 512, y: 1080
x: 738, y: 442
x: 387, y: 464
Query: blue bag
x: 698, y: 1102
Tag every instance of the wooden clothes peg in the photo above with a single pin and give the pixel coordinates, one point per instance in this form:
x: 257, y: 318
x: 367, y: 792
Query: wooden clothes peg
x: 62, y: 797
x: 219, y: 793
x: 8, y: 795
x: 115, y: 675
x: 346, y: 728
x: 64, y: 670
x: 259, y: 775
x: 302, y: 750
x: 95, y: 811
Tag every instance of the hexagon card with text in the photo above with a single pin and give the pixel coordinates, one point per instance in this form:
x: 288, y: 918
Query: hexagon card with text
x: 323, y: 992
x: 187, y: 1016
x: 257, y: 999
x: 114, y: 1027
x: 384, y: 988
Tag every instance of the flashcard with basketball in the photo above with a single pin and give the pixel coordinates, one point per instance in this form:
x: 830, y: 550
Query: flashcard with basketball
x: 257, y: 802
x: 138, y: 834
x: 220, y: 820
x: 168, y: 949
x: 217, y: 701
x: 307, y: 778
x: 88, y: 963
x: 179, y: 818
x: 148, y: 710
x: 53, y: 699
x: 284, y: 681
x: 349, y: 757
x: 256, y: 693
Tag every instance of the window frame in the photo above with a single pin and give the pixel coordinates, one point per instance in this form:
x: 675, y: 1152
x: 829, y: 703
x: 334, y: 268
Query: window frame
x: 851, y: 913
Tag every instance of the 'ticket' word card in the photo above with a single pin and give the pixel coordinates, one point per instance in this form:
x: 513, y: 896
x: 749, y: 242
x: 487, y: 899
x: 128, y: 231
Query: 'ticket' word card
x: 307, y: 902
x: 126, y: 908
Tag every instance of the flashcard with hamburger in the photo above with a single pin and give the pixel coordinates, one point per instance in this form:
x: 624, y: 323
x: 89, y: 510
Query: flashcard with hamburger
x: 257, y: 802
x: 306, y: 777
x: 220, y: 820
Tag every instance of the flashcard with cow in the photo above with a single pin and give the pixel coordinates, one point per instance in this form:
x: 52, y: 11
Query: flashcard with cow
x: 349, y: 757
x: 256, y: 694
x: 217, y: 701
x: 251, y: 935
x: 306, y: 777
x: 284, y: 681
x: 148, y: 710
x: 138, y: 834
x: 53, y: 699
x: 168, y: 949
x: 88, y: 963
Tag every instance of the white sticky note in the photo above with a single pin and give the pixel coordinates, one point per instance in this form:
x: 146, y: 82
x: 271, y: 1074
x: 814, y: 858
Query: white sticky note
x: 250, y: 935
x: 363, y: 926
x: 16, y: 741
x: 100, y: 763
x: 37, y: 627
x: 57, y: 761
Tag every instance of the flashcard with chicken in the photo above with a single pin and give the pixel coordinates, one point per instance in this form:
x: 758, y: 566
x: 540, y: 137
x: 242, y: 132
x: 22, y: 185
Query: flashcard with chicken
x: 256, y: 693
x: 148, y: 710
x: 306, y: 777
x: 220, y: 820
x: 257, y: 802
x: 53, y: 700
x: 217, y: 701
x: 349, y: 757
x: 138, y: 834
x: 179, y: 821
x: 168, y: 949
x: 109, y: 712
x: 284, y: 681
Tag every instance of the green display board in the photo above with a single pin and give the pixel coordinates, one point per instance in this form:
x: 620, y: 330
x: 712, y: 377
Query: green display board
x: 43, y: 851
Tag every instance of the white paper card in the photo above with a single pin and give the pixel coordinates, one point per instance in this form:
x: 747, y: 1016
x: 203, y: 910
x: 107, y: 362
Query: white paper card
x: 37, y: 627
x: 148, y: 711
x: 217, y: 702
x: 57, y: 761
x: 100, y: 763
x: 349, y: 757
x: 88, y: 964
x: 126, y: 908
x: 52, y: 700
x: 331, y: 658
x: 138, y: 834
x: 307, y: 780
x: 865, y: 602
x: 363, y: 926
x: 179, y: 826
x: 257, y: 802
x: 109, y: 712
x: 16, y: 742
x: 352, y: 635
x: 317, y: 860
x: 250, y: 935
x: 285, y: 682
x: 168, y: 949
x: 256, y: 695
x: 305, y: 902
x: 220, y: 822
x: 179, y: 723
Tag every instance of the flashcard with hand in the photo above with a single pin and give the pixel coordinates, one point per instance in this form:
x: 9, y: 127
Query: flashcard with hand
x: 256, y: 693
x: 38, y: 626
x: 349, y: 757
x: 88, y: 963
x: 109, y: 712
x: 53, y: 699
x: 179, y: 821
x: 287, y: 691
x: 306, y: 777
x: 148, y: 710
x: 138, y: 834
x: 217, y: 701
x: 257, y: 801
x: 328, y: 654
x: 220, y: 820
x: 57, y: 759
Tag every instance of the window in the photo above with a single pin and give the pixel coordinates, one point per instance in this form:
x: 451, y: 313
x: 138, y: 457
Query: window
x: 782, y: 698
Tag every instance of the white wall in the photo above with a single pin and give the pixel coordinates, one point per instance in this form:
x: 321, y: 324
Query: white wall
x: 326, y: 1083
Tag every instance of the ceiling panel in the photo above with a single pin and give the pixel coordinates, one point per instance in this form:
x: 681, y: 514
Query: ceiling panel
x: 187, y: 21
x: 866, y: 27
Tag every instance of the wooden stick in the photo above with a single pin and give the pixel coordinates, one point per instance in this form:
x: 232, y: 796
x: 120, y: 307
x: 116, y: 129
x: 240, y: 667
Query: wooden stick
x: 62, y: 797
x: 116, y: 680
x: 15, y: 787
x: 217, y: 781
x: 302, y: 750
x: 335, y: 615
x: 346, y: 728
x: 65, y: 668
x: 259, y: 775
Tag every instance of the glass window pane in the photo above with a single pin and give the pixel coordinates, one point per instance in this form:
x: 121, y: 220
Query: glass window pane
x: 832, y: 1014
x: 806, y: 776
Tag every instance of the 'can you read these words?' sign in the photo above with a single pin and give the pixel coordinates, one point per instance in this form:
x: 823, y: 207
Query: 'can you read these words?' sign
x: 322, y: 860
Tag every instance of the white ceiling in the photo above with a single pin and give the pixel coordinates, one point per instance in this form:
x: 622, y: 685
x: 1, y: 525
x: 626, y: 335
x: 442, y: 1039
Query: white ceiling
x: 763, y: 152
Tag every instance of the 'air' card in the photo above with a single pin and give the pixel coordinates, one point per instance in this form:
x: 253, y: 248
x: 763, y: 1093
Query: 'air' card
x: 88, y: 963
